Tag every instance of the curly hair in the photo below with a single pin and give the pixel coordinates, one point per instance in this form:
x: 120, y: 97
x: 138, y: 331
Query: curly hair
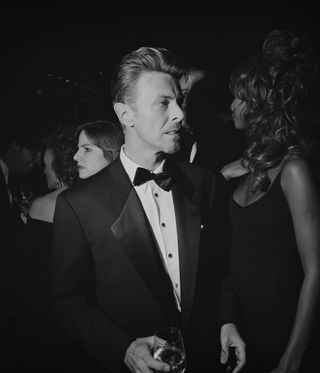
x: 63, y: 146
x: 273, y: 84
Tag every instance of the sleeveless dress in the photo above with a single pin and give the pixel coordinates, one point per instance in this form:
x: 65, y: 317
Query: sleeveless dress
x: 266, y: 274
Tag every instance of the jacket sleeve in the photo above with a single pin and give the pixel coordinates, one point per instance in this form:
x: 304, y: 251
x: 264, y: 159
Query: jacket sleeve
x: 73, y: 301
x: 228, y: 304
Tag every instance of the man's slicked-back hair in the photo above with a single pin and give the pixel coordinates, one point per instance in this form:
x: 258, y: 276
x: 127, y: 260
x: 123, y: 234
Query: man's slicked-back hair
x: 142, y: 60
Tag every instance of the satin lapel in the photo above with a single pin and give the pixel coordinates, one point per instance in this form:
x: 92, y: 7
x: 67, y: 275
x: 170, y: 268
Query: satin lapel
x: 133, y: 231
x: 188, y: 229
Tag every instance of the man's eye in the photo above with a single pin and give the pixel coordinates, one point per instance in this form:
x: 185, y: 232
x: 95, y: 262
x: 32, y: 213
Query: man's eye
x: 164, y: 102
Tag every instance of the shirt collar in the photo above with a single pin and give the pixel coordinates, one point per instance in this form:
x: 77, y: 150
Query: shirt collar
x: 5, y: 170
x: 131, y: 167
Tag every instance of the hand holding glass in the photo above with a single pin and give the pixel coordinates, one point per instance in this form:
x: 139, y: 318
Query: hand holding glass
x: 169, y: 348
x: 24, y: 199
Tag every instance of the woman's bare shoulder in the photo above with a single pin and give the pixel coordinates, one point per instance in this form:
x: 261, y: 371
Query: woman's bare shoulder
x: 294, y: 165
x: 42, y: 208
x: 297, y: 175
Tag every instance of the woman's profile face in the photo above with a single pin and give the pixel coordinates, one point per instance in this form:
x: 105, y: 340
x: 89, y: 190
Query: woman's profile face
x: 89, y: 157
x: 237, y: 108
x: 52, y: 179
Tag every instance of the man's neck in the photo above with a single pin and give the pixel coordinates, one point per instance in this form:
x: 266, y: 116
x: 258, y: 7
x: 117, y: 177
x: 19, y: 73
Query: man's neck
x: 145, y: 159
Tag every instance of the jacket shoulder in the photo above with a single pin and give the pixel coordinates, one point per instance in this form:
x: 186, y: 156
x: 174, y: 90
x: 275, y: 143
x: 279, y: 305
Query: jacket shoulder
x: 87, y: 186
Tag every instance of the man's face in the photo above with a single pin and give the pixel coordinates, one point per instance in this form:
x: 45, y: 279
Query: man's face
x: 186, y: 84
x: 156, y: 114
x: 21, y: 159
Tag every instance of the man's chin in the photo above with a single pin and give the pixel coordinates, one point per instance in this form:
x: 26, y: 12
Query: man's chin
x: 172, y: 149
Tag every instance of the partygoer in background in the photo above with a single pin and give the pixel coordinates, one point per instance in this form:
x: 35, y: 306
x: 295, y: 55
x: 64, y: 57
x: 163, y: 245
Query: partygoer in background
x: 59, y: 169
x: 99, y: 144
x: 209, y: 138
x: 16, y: 159
x: 37, y: 331
x: 189, y: 144
x: 274, y: 274
x: 206, y: 140
x: 18, y: 156
x: 127, y: 240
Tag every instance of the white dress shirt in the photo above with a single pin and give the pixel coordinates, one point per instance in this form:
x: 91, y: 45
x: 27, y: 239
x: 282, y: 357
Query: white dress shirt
x: 193, y: 152
x: 5, y: 171
x: 159, y: 208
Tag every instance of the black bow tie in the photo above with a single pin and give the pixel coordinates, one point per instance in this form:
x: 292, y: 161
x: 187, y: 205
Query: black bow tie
x: 163, y: 179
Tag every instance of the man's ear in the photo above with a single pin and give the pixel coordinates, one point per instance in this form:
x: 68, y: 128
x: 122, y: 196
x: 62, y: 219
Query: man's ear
x: 124, y: 114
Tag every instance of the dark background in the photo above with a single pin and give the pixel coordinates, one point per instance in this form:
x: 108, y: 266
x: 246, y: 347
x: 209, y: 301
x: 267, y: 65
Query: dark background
x: 57, y: 60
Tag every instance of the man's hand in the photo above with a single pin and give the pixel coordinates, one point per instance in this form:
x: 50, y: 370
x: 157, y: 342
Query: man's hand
x: 233, y: 169
x: 139, y: 357
x: 230, y: 337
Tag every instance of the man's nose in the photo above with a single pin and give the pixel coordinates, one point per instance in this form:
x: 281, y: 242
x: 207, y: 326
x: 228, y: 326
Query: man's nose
x: 178, y: 113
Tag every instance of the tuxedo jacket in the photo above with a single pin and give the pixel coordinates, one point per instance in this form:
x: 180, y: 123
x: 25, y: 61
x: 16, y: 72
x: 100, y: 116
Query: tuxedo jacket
x: 108, y: 283
x: 4, y: 204
x: 11, y: 230
x: 6, y: 228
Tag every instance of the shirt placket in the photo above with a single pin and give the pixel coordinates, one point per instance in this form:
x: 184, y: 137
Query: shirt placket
x: 168, y: 254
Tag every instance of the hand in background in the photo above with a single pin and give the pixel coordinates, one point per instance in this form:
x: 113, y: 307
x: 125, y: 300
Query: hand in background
x: 230, y: 337
x: 233, y: 169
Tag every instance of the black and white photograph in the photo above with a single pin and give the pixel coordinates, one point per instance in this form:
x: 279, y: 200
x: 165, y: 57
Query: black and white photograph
x: 160, y: 187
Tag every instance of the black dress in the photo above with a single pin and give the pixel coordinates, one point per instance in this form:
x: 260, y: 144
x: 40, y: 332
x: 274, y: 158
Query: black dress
x: 266, y: 274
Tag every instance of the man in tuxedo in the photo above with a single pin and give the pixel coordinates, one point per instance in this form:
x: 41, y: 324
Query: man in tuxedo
x: 127, y: 240
x: 16, y: 158
x: 210, y: 138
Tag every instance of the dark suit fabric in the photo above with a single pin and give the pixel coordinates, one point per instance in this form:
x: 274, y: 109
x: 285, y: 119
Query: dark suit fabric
x: 11, y: 228
x: 41, y: 345
x: 109, y: 285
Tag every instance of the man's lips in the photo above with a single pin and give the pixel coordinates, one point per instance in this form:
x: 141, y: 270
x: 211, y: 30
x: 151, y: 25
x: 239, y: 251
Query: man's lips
x: 173, y: 132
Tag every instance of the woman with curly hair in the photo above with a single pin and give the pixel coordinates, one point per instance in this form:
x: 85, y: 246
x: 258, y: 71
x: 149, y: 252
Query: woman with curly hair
x: 39, y: 335
x: 60, y: 171
x: 274, y: 270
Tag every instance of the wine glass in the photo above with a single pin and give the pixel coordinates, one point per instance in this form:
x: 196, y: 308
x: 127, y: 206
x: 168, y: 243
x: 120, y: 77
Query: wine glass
x: 169, y: 348
x: 24, y: 197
